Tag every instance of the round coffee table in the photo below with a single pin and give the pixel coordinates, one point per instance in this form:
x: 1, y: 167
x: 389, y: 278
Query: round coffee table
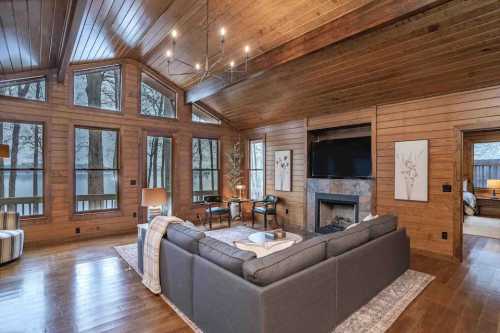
x: 260, y: 239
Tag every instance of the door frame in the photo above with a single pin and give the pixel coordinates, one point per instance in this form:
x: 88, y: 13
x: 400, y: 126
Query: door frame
x: 458, y: 209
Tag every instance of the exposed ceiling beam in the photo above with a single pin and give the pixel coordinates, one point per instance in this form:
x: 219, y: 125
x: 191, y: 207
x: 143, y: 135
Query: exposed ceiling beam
x: 75, y: 14
x: 371, y: 16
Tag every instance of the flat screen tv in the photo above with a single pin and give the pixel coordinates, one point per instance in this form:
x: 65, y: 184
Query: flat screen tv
x: 341, y: 158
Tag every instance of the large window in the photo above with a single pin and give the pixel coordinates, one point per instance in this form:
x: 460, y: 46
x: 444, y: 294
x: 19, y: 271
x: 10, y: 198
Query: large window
x: 256, y: 171
x: 98, y: 88
x: 157, y: 100
x: 199, y: 115
x: 32, y: 88
x: 96, y: 169
x: 21, y: 175
x: 159, y: 165
x: 486, y: 163
x: 205, y: 168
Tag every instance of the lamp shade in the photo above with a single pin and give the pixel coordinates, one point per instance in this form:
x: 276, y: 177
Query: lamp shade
x: 493, y: 183
x: 240, y: 187
x: 153, y: 197
x: 4, y: 151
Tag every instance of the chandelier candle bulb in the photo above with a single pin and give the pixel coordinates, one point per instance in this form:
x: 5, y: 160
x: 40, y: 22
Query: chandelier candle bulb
x: 174, y: 34
x: 197, y: 66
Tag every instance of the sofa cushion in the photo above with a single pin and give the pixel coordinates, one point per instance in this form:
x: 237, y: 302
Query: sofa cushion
x: 382, y: 225
x: 184, y: 236
x: 276, y: 266
x: 224, y: 255
x: 343, y: 241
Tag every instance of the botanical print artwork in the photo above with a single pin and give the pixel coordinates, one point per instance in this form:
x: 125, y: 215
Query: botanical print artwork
x: 282, y: 170
x: 411, y: 168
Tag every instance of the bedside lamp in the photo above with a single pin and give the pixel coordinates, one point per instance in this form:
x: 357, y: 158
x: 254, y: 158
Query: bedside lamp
x: 4, y: 151
x: 240, y: 188
x: 154, y: 199
x: 493, y: 184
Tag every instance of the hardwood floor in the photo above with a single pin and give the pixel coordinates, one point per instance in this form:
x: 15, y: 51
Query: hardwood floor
x: 85, y: 286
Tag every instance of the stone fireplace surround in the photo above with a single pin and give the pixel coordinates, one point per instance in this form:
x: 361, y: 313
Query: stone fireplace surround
x: 361, y: 187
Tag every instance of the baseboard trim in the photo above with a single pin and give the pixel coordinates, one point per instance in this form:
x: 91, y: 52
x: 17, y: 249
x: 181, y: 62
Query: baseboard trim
x: 81, y: 237
x: 435, y: 255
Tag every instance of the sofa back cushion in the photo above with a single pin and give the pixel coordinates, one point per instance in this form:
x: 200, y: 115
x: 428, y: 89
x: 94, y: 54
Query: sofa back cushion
x: 184, y: 236
x: 224, y: 255
x: 340, y: 242
x: 266, y: 270
x: 382, y: 225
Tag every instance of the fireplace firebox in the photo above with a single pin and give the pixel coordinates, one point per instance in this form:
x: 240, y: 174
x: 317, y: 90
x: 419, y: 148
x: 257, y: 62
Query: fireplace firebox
x: 334, y: 212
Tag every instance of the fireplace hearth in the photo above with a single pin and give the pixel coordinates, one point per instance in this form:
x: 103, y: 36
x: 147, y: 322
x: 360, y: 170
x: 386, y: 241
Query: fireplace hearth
x: 335, y: 212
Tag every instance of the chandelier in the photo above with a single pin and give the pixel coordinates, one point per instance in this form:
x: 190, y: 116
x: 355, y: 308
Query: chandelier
x: 206, y: 68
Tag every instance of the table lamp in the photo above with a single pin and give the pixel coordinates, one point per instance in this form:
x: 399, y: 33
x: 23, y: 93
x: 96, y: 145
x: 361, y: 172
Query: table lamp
x: 493, y: 184
x: 4, y: 151
x: 240, y: 188
x: 154, y: 199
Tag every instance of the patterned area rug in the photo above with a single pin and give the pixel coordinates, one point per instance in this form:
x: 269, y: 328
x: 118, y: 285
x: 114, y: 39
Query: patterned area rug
x: 374, y: 317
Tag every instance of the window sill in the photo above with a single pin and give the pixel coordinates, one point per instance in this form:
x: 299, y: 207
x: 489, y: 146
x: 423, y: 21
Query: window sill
x: 147, y: 116
x: 96, y: 215
x: 94, y: 109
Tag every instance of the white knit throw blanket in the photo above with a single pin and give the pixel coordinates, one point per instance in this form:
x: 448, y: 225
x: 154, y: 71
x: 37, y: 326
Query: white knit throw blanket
x: 157, y: 228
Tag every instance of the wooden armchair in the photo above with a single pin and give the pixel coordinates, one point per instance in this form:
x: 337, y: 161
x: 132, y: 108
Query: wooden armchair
x: 216, y: 208
x: 265, y: 207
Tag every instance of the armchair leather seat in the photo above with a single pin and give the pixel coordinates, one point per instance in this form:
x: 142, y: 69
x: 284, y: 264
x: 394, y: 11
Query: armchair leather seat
x: 218, y: 210
x: 265, y: 210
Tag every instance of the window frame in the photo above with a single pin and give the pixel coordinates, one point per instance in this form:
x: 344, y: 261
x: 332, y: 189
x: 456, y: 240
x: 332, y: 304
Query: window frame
x: 20, y: 80
x: 219, y: 180
x: 44, y: 167
x: 249, y: 190
x: 144, y: 164
x: 204, y: 110
x: 163, y: 85
x: 481, y: 189
x: 118, y: 151
x: 121, y: 86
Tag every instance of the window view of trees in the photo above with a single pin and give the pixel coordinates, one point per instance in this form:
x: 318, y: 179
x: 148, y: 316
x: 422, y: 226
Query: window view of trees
x: 96, y: 169
x: 21, y: 175
x: 159, y: 165
x: 198, y: 115
x: 98, y: 88
x: 205, y: 168
x: 33, y: 89
x: 486, y: 163
x: 156, y: 99
x: 256, y: 169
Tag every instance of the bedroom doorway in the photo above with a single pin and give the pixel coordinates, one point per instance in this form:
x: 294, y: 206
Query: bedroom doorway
x: 481, y: 183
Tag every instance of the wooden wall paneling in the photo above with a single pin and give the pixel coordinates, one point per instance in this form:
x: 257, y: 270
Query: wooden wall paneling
x: 60, y: 117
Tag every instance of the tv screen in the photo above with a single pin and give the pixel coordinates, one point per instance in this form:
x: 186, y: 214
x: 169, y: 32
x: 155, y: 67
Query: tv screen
x: 341, y: 158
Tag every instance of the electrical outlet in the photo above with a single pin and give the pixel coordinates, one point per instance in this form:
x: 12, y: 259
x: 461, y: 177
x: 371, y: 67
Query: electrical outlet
x: 444, y: 235
x: 133, y: 182
x: 286, y: 211
x: 446, y: 188
x: 134, y: 214
x: 77, y: 230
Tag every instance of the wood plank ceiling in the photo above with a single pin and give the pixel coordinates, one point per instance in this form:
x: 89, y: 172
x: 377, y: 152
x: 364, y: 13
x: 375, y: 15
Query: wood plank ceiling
x: 31, y: 34
x: 454, y: 46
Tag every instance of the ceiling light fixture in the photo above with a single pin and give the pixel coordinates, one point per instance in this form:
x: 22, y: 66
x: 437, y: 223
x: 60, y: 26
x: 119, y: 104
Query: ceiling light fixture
x: 207, y: 67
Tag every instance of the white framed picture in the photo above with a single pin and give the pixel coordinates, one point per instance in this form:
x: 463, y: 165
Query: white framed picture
x: 283, y: 170
x: 411, y: 160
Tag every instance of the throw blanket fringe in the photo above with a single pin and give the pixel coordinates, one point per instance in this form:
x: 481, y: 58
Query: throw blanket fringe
x: 157, y: 228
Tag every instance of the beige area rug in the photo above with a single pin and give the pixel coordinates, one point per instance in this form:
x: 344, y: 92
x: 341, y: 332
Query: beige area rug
x: 374, y: 317
x: 482, y: 226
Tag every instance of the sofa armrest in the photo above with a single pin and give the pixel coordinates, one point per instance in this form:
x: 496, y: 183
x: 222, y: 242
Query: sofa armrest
x: 9, y: 221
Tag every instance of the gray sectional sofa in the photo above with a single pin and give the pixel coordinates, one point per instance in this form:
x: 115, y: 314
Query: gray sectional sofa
x: 310, y: 287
